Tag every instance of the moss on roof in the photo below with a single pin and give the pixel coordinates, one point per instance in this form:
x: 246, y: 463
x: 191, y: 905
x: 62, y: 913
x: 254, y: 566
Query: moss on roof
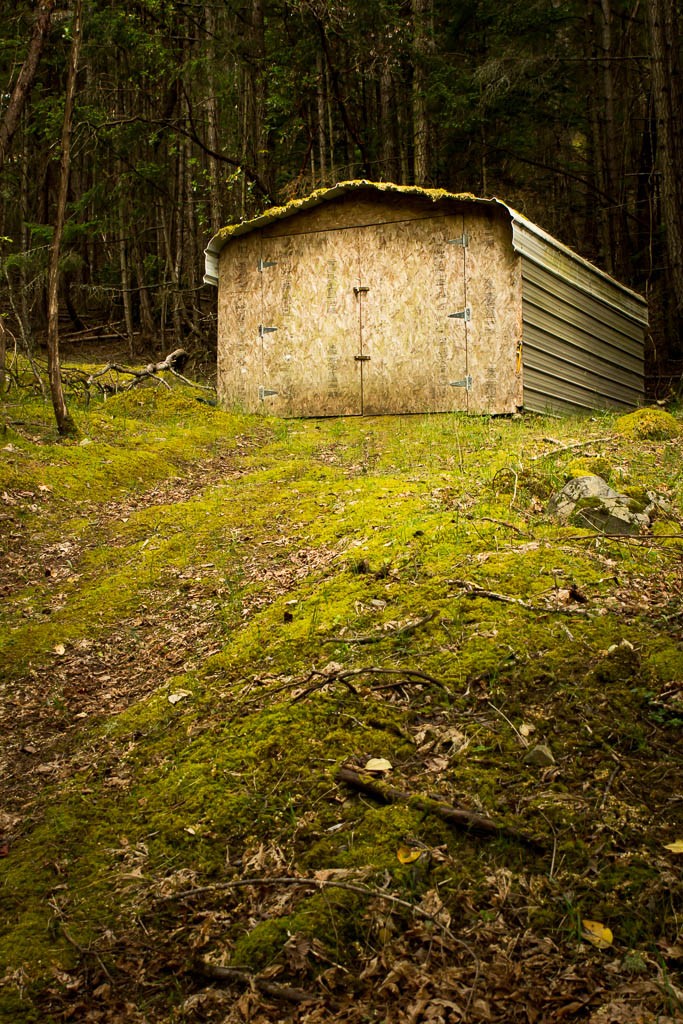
x: 322, y: 195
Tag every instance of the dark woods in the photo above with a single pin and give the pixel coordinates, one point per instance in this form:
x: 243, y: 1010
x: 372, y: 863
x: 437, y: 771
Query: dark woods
x: 189, y: 115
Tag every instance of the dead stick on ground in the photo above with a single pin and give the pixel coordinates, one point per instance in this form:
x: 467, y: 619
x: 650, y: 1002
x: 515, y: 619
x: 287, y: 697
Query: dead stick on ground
x: 192, y: 383
x: 376, y: 639
x: 500, y: 522
x: 137, y: 375
x: 457, y: 816
x: 269, y: 988
x: 304, y: 883
x: 173, y: 362
x: 325, y: 883
x: 326, y: 678
x: 570, y: 447
x: 473, y: 591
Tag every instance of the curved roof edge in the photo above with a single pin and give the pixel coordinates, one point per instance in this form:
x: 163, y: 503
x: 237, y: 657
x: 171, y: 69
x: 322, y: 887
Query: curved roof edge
x: 322, y: 195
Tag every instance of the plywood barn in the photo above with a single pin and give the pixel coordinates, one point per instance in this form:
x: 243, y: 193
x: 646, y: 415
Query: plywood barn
x: 369, y: 298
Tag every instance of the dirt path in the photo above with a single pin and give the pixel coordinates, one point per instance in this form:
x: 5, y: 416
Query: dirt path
x: 44, y: 713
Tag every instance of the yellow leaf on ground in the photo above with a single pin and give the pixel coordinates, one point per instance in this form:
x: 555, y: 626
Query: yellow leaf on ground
x: 378, y: 764
x: 408, y: 855
x: 675, y: 847
x: 597, y: 934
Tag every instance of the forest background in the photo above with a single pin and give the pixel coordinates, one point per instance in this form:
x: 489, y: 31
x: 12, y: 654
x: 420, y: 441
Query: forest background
x: 189, y: 115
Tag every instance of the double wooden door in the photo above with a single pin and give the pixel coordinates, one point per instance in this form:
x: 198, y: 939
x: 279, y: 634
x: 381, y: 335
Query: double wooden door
x: 370, y: 319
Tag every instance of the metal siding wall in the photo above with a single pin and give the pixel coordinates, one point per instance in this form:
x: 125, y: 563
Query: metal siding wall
x: 583, y: 332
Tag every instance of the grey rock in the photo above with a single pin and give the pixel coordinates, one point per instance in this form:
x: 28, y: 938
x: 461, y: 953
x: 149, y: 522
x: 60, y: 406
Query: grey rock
x: 590, y: 501
x: 540, y: 755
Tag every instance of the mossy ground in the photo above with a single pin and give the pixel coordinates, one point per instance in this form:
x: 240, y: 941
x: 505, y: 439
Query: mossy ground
x: 208, y: 614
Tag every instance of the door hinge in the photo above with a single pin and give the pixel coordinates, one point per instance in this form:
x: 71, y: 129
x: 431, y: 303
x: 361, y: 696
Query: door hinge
x: 362, y: 359
x: 262, y: 329
x: 262, y: 264
x: 360, y: 289
x: 265, y: 393
x: 464, y: 240
x: 465, y: 383
x: 463, y: 314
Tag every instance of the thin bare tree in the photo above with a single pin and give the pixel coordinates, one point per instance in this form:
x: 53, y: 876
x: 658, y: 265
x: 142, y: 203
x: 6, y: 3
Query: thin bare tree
x: 65, y: 423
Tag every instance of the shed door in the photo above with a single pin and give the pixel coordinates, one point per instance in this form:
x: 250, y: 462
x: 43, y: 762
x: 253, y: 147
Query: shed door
x: 414, y: 325
x: 310, y: 325
x: 365, y: 320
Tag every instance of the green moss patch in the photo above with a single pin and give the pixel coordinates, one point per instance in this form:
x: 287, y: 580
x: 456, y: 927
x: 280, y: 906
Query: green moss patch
x: 650, y: 424
x: 209, y: 615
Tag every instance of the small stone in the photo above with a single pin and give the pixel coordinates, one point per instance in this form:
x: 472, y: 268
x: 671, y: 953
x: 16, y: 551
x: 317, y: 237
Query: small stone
x: 540, y: 755
x: 590, y: 501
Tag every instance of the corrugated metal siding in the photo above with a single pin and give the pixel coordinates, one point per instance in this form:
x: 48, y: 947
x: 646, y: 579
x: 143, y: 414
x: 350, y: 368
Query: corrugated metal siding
x: 583, y: 333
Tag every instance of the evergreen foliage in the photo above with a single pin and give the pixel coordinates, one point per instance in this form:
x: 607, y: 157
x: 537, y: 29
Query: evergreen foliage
x: 192, y: 115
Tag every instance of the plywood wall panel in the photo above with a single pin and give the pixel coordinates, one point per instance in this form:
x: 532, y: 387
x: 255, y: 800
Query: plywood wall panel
x: 356, y: 211
x: 308, y: 296
x: 494, y: 295
x: 239, y: 355
x: 416, y: 351
x: 355, y: 313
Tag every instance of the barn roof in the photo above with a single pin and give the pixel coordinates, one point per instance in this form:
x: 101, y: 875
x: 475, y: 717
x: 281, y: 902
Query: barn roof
x: 528, y: 239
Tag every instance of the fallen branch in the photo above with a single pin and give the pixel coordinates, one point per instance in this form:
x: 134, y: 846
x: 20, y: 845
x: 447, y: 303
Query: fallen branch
x: 473, y: 591
x: 513, y: 473
x: 192, y: 383
x: 138, y: 375
x: 304, y: 883
x: 408, y: 675
x: 500, y: 522
x: 246, y: 977
x: 570, y: 447
x: 479, y: 824
x: 375, y: 638
x: 326, y: 883
x: 173, y: 363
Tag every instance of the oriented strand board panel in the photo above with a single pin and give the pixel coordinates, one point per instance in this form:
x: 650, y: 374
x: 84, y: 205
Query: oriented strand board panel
x: 309, y: 325
x: 350, y: 313
x: 239, y: 315
x: 494, y: 296
x: 413, y: 340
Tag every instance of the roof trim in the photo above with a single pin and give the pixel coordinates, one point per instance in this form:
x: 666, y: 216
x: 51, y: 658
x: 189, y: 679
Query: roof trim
x: 323, y: 195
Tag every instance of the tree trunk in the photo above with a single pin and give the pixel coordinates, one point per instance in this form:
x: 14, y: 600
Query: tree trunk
x: 320, y: 115
x: 212, y: 119
x: 421, y: 10
x: 123, y: 227
x: 330, y: 123
x: 387, y: 114
x: 146, y: 314
x: 65, y: 424
x: 665, y: 40
x: 3, y: 356
x: 22, y: 86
